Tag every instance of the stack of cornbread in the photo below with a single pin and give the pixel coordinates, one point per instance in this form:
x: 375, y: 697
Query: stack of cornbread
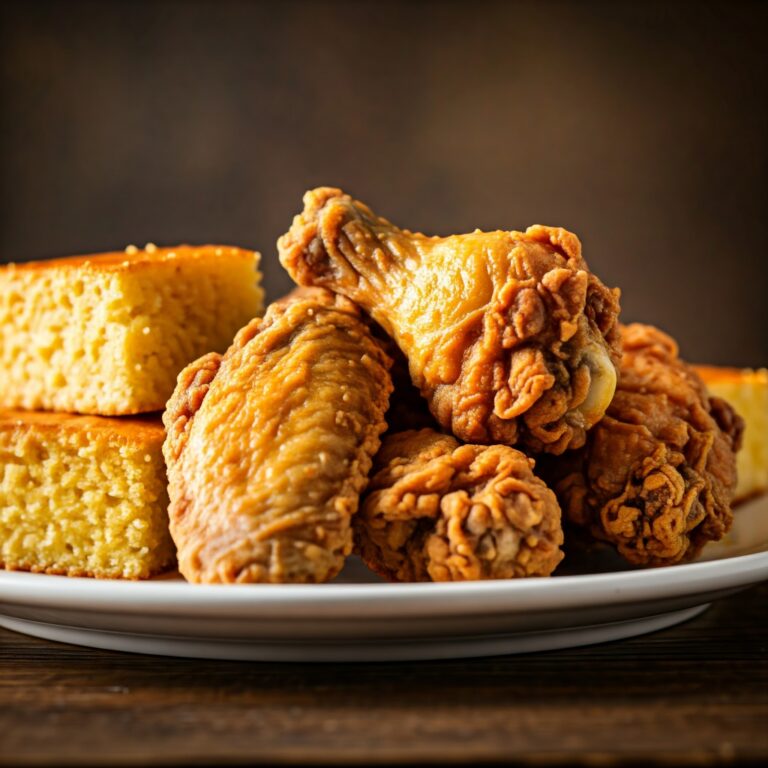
x: 90, y: 348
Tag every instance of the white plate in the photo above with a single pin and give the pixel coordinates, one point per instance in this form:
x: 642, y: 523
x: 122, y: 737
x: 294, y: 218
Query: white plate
x: 358, y: 618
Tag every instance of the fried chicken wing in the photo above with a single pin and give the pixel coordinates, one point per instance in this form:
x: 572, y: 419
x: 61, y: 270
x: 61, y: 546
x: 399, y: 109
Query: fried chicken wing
x: 441, y: 511
x: 508, y: 335
x: 657, y: 475
x: 269, y: 446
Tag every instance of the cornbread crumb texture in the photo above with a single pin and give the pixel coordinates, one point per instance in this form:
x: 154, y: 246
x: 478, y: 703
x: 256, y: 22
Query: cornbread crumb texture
x: 108, y: 334
x: 83, y: 495
x: 747, y: 391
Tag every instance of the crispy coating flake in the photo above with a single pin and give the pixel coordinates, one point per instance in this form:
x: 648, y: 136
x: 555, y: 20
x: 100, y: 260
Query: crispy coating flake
x: 657, y: 475
x: 508, y: 335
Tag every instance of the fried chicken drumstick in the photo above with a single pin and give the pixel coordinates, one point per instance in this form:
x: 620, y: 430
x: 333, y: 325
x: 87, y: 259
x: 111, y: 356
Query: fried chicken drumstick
x: 441, y: 511
x: 269, y: 446
x: 508, y: 335
x: 657, y: 475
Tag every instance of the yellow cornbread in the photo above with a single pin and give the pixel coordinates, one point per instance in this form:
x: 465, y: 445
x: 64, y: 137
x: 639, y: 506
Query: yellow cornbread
x: 108, y: 334
x: 83, y: 495
x: 747, y: 391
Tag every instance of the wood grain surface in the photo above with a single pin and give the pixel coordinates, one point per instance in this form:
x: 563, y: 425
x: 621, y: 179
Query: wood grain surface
x: 696, y: 694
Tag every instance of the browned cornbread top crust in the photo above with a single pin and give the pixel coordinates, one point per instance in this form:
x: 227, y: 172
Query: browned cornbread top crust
x: 131, y: 258
x: 136, y: 430
x: 108, y: 333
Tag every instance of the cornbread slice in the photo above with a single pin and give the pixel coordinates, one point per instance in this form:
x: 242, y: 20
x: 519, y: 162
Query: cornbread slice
x: 747, y: 391
x: 107, y: 334
x: 83, y: 495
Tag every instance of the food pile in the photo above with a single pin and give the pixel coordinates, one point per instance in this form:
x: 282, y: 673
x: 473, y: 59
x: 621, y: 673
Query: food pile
x: 449, y: 408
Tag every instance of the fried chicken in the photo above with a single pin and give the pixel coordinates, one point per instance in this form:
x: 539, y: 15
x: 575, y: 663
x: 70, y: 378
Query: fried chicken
x: 508, y: 335
x: 657, y: 475
x: 441, y: 511
x: 269, y: 445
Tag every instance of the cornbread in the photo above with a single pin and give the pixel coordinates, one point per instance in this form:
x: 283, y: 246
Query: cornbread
x: 83, y: 495
x: 108, y: 334
x: 747, y: 391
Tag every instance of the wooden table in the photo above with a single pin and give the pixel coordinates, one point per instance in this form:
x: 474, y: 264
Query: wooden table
x: 693, y: 695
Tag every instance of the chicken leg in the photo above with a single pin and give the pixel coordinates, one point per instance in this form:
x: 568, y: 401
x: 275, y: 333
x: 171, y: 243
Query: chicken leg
x: 508, y: 335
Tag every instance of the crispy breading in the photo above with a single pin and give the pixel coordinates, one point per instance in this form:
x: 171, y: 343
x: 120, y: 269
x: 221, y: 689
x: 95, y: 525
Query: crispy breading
x: 441, y: 511
x: 657, y: 475
x: 270, y: 445
x: 508, y: 335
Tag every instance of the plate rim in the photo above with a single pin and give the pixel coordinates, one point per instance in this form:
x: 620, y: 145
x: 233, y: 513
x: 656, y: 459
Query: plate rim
x: 379, y: 600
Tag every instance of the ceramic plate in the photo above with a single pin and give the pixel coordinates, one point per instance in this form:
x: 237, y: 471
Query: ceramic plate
x: 359, y: 618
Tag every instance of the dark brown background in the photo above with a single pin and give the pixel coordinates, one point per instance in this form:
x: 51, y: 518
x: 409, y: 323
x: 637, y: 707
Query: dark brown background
x: 640, y: 126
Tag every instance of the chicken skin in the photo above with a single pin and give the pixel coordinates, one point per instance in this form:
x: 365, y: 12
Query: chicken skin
x: 441, y: 511
x: 269, y: 446
x: 657, y: 475
x: 508, y: 335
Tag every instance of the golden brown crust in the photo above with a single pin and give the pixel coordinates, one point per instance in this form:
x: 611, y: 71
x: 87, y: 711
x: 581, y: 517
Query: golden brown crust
x: 130, y: 259
x: 270, y: 445
x: 657, y: 475
x: 192, y: 387
x: 508, y: 335
x: 438, y: 510
x: 136, y: 430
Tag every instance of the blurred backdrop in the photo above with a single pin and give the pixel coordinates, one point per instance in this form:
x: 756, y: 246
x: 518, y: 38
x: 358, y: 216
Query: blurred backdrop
x: 640, y: 126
